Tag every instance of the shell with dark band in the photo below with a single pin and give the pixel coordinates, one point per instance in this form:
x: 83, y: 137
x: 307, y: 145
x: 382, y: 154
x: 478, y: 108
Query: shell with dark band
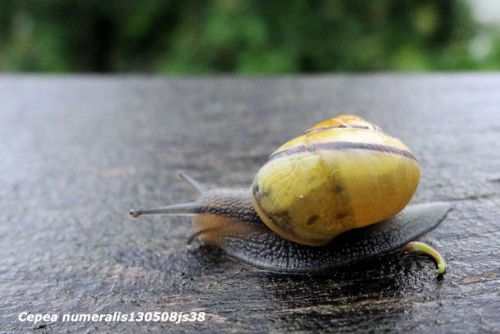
x: 341, y: 174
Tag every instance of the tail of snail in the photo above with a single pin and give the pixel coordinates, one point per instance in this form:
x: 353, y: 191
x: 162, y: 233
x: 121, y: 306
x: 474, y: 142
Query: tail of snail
x: 335, y: 195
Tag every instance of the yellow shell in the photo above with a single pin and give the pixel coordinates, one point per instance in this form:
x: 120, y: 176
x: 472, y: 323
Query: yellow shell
x: 343, y: 173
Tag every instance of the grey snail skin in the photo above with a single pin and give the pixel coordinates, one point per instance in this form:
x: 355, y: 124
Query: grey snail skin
x: 334, y: 196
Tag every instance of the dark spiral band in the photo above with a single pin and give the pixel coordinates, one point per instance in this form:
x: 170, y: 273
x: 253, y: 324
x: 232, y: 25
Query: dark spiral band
x: 342, y: 146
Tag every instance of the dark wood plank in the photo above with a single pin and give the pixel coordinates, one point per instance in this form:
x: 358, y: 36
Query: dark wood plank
x: 78, y: 152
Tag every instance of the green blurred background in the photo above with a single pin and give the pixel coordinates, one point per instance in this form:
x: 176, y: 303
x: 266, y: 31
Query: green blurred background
x: 249, y: 37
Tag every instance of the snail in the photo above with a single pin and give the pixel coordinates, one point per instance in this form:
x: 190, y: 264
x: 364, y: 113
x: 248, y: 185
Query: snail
x: 336, y: 195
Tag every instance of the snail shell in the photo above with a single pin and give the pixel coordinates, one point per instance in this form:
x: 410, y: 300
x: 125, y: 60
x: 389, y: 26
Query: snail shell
x: 342, y: 174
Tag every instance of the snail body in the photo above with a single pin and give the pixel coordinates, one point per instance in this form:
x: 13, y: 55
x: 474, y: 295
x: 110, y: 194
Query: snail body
x: 333, y: 196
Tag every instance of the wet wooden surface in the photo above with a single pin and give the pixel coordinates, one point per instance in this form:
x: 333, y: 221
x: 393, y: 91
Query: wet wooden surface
x: 78, y: 152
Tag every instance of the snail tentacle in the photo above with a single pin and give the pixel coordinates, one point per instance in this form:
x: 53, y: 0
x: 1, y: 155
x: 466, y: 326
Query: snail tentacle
x: 174, y: 209
x: 199, y: 233
x: 198, y: 186
x: 417, y: 247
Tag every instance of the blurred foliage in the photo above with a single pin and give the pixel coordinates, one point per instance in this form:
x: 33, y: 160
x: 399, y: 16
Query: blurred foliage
x: 188, y: 36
